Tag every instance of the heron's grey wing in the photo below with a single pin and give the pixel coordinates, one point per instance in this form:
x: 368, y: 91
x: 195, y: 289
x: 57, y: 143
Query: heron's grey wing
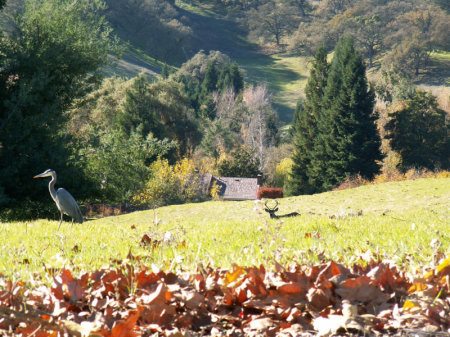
x: 68, y: 205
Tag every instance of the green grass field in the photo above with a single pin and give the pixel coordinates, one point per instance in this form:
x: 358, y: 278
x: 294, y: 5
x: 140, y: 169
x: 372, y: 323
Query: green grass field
x: 407, y: 222
x: 285, y: 75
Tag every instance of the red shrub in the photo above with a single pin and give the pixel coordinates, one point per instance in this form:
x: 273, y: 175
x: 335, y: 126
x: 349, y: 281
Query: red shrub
x: 269, y: 193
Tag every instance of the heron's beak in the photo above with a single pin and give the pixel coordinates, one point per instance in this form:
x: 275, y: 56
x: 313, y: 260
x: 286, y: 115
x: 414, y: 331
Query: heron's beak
x: 42, y: 175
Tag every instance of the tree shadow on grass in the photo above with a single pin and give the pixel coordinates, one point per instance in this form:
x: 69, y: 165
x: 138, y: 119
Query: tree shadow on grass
x: 216, y: 32
x: 266, y: 69
x: 437, y: 73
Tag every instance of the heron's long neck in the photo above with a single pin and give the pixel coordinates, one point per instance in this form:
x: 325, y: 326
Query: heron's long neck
x: 51, y: 187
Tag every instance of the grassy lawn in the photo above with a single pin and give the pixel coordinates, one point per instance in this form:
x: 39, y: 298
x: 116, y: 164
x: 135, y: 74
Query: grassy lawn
x: 405, y: 221
x: 286, y: 77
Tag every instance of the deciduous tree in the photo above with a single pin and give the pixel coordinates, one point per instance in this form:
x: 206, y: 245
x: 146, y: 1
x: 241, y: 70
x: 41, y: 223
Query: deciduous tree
x: 417, y: 34
x: 259, y: 130
x: 271, y: 21
x: 419, y: 132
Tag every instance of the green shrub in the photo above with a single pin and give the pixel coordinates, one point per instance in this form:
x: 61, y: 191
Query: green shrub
x: 170, y: 184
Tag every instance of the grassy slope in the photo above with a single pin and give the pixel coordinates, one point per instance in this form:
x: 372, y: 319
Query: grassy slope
x: 285, y: 75
x: 398, y: 221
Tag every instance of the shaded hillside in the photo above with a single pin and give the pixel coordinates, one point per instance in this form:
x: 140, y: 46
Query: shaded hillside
x: 157, y: 32
x: 211, y: 30
x: 285, y: 75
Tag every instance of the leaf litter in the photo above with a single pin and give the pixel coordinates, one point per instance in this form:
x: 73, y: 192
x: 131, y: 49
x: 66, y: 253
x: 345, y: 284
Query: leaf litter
x: 326, y: 299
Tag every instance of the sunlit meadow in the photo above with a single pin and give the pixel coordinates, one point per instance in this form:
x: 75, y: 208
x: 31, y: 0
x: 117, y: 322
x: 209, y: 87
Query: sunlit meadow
x: 407, y: 222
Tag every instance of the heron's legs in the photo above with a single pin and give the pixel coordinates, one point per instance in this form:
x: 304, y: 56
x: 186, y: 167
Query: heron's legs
x: 60, y: 221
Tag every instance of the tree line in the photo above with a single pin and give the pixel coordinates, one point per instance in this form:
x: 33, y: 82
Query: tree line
x: 401, y: 33
x: 114, y: 140
x: 335, y: 131
x: 102, y: 135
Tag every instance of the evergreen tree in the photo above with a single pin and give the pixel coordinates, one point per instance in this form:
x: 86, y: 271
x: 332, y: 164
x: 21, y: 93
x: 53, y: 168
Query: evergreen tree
x: 208, y: 108
x: 224, y: 80
x: 236, y: 78
x: 139, y: 110
x: 348, y: 142
x: 165, y: 71
x: 210, y: 81
x: 299, y: 180
x: 51, y: 59
x: 243, y: 163
x: 305, y: 176
x: 230, y: 76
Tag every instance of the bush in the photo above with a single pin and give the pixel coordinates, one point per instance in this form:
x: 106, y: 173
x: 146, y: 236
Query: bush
x: 170, y: 184
x: 241, y: 163
x: 391, y: 176
x: 269, y: 193
x: 282, y: 172
x: 352, y: 182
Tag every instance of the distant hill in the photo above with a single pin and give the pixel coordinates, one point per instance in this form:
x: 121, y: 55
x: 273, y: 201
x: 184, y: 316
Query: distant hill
x: 191, y: 26
x: 155, y: 32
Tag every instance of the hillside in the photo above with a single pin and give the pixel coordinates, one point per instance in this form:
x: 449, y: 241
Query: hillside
x: 156, y: 32
x: 211, y: 30
x: 285, y: 72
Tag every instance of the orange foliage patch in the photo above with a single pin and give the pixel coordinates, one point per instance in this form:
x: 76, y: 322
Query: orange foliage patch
x: 135, y: 301
x: 269, y: 193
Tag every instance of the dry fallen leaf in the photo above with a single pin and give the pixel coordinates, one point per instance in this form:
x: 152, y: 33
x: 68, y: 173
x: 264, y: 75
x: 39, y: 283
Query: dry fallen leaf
x: 127, y: 328
x: 135, y: 299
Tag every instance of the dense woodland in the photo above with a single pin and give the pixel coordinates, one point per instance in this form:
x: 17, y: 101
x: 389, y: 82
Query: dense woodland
x: 141, y: 141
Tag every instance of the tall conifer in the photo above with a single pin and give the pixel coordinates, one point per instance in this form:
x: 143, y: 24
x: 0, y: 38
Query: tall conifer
x: 210, y: 81
x: 299, y: 181
x: 236, y: 77
x: 349, y: 143
x: 304, y: 178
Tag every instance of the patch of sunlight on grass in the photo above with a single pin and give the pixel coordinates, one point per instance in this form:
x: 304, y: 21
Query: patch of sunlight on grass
x: 293, y: 88
x: 285, y: 75
x: 441, y: 55
x: 201, y: 8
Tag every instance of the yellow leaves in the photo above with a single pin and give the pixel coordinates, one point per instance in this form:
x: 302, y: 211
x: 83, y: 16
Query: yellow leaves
x: 444, y: 267
x: 283, y: 169
x: 425, y: 292
x: 408, y: 305
x: 233, y: 275
x: 441, y: 270
x: 417, y: 286
x: 169, y: 183
x: 215, y: 190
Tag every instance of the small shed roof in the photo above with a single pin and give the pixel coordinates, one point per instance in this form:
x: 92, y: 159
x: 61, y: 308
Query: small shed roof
x: 234, y: 188
x: 205, y: 183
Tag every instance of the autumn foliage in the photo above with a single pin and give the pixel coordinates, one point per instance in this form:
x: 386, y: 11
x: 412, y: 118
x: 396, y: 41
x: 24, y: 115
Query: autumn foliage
x: 269, y: 193
x: 327, y: 298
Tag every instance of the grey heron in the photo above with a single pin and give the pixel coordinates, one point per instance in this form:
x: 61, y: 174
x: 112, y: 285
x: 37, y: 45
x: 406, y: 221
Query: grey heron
x: 64, y: 201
